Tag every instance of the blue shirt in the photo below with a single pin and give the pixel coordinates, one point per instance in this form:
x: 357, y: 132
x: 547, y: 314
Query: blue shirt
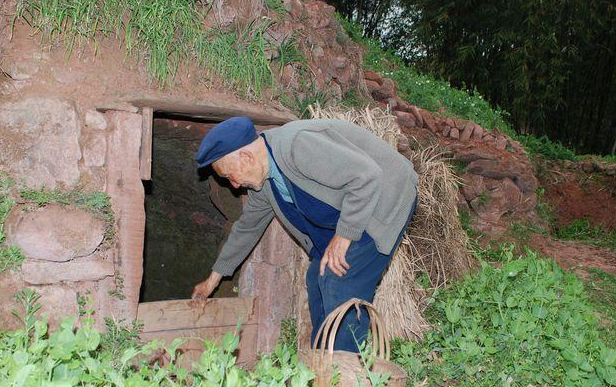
x: 276, y: 176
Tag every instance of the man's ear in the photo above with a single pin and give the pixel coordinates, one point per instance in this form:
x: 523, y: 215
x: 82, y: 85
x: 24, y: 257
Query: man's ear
x: 246, y: 158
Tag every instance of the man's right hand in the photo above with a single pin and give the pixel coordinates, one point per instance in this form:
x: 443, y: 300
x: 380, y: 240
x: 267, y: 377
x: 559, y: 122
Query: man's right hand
x: 204, y: 289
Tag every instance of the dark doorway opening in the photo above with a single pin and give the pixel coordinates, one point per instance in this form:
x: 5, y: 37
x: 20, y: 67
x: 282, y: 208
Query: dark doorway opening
x: 189, y: 213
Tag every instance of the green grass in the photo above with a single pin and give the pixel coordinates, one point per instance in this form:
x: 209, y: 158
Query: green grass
x: 11, y: 257
x: 582, y: 230
x: 526, y: 322
x: 601, y: 288
x: 97, y: 203
x: 164, y: 33
x: 300, y: 101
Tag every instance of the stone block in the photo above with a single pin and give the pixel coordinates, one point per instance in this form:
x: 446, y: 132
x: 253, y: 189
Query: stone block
x: 454, y: 133
x: 527, y: 182
x: 403, y: 143
x: 405, y: 119
x: 477, y: 132
x: 94, y: 150
x: 95, y: 120
x: 372, y: 86
x: 495, y: 169
x: 473, y: 186
x: 54, y: 233
x: 467, y: 131
x: 386, y: 90
x: 86, y: 269
x: 40, y: 141
x: 57, y: 302
x: 373, y: 76
x: 418, y: 117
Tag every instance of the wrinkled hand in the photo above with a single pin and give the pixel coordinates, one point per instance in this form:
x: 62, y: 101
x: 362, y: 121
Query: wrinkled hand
x: 334, y: 256
x: 204, y: 289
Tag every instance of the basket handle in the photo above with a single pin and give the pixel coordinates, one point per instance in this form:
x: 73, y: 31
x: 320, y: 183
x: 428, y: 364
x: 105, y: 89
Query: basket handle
x: 329, y: 329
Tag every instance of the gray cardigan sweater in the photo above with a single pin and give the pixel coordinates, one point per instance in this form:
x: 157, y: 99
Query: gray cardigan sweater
x: 341, y: 164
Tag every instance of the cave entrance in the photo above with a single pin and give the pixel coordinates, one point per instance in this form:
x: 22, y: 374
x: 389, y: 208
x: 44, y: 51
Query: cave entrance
x: 173, y: 218
x: 189, y: 213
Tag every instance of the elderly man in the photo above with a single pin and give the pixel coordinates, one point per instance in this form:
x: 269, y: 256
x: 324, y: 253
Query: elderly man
x: 344, y: 194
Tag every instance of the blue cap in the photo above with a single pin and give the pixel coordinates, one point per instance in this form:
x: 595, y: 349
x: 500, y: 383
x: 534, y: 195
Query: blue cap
x: 224, y: 138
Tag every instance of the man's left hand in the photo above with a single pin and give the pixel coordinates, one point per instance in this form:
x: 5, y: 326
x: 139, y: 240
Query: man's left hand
x: 334, y: 256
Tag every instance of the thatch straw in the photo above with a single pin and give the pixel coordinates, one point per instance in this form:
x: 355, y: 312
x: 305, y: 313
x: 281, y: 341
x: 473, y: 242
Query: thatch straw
x: 434, y: 243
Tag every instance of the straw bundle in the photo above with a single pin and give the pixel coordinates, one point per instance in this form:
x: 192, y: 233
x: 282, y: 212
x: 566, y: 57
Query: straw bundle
x: 434, y: 242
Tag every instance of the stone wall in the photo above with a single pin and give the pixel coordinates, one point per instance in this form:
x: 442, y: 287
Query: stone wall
x: 497, y: 175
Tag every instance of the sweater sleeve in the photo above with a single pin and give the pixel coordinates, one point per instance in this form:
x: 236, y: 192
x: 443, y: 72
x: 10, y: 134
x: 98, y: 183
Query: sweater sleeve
x: 335, y: 162
x: 257, y: 214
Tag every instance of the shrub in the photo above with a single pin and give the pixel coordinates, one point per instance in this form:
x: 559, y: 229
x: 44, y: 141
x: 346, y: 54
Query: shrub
x: 525, y: 323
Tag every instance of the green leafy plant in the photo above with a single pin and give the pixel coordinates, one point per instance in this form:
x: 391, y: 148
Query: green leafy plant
x: 300, y: 101
x: 583, y: 230
x: 601, y: 288
x: 526, y: 322
x: 11, y: 257
x: 289, y: 53
x: 78, y: 355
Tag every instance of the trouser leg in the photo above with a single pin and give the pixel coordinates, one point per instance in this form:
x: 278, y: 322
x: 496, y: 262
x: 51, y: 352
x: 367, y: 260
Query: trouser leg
x: 315, y: 300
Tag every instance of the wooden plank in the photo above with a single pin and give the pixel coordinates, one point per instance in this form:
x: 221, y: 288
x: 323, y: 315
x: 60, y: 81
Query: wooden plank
x: 179, y: 314
x: 213, y: 111
x: 193, y: 345
x: 145, y: 153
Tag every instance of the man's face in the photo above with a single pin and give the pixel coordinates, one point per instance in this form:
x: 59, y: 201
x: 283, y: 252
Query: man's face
x: 241, y: 170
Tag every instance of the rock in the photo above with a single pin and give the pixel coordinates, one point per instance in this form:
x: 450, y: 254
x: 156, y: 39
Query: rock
x: 445, y: 130
x: 405, y: 119
x: 488, y: 137
x: 86, y: 269
x: 501, y: 143
x: 401, y: 105
x: 477, y: 132
x: 460, y: 124
x: 339, y: 62
x: 54, y: 233
x: 588, y: 167
x: 94, y: 150
x: 430, y: 124
x: 493, y: 204
x: 418, y: 116
x: 318, y: 51
x: 67, y: 75
x: 40, y: 142
x: 403, y: 143
x: 372, y: 86
x: 96, y: 120
x: 467, y: 131
x: 495, y: 169
x: 473, y: 186
x: 386, y: 90
x: 528, y: 202
x: 223, y: 198
x: 526, y: 182
x: 10, y: 283
x: 373, y: 76
x: 294, y: 7
x: 392, y: 103
x: 22, y: 70
x: 319, y: 14
x: 472, y: 153
x: 57, y: 302
x: 455, y: 133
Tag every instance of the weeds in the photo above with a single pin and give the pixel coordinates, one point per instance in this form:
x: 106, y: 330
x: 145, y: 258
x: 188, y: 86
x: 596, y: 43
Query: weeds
x: 601, y: 287
x: 582, y: 230
x: 289, y: 53
x: 300, y: 101
x: 288, y: 332
x: 164, y: 33
x: 525, y: 323
x: 11, y: 257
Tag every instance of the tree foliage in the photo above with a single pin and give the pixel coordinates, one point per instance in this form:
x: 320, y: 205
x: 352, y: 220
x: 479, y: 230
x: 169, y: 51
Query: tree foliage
x: 550, y: 63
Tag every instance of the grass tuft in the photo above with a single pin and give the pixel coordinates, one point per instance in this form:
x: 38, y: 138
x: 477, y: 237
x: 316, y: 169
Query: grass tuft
x: 11, y: 257
x: 582, y: 230
x: 163, y: 33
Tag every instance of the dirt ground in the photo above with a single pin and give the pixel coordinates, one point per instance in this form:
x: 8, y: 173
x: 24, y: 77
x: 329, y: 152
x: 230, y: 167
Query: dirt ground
x: 572, y: 195
x: 575, y: 195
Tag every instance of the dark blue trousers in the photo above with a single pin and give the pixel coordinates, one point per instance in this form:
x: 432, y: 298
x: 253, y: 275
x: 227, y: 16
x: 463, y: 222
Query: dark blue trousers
x: 327, y: 292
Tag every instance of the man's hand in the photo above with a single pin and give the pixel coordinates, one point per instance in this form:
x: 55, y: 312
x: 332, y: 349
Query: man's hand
x: 204, y: 289
x: 334, y: 256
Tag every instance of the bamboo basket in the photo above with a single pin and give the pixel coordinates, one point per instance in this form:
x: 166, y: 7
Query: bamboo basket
x: 349, y: 364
